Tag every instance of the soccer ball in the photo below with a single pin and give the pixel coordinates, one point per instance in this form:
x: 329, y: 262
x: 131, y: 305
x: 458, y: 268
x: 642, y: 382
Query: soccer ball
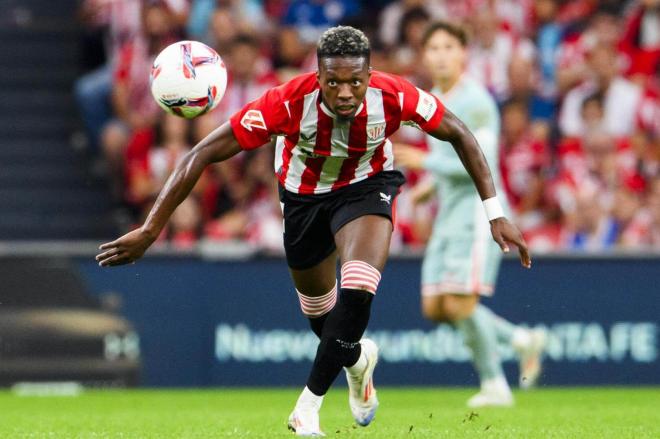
x: 188, y: 79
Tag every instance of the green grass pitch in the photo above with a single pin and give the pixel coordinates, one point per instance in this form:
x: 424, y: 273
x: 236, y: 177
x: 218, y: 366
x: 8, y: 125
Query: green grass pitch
x: 261, y: 413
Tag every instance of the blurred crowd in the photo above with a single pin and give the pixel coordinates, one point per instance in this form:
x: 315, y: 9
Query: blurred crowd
x: 576, y: 81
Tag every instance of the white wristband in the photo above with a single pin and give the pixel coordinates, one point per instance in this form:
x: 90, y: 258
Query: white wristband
x: 493, y: 208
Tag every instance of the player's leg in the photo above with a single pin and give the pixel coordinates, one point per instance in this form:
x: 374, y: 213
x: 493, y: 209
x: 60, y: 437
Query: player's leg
x: 363, y: 245
x: 345, y: 324
x: 312, y: 259
x: 528, y: 344
x: 317, y: 291
x: 477, y: 328
x: 454, y: 274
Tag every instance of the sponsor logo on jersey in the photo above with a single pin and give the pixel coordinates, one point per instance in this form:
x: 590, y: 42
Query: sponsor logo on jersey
x: 308, y: 138
x: 375, y: 131
x: 426, y: 105
x: 253, y: 119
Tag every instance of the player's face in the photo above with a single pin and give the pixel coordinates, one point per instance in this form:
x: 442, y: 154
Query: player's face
x: 444, y: 56
x: 344, y: 83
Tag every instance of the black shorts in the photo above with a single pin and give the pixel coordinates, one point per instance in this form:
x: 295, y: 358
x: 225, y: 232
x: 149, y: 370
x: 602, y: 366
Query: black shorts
x: 311, y: 221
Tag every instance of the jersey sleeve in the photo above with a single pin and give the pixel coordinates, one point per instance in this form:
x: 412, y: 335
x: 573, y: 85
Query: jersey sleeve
x: 419, y: 108
x: 260, y: 119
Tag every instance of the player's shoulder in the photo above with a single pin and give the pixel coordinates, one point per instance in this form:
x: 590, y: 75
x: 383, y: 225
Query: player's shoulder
x: 296, y: 87
x: 387, y: 82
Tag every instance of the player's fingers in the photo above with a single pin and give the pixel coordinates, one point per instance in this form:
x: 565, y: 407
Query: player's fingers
x: 501, y: 242
x: 107, y: 254
x: 116, y: 259
x: 109, y: 245
x: 525, y: 258
x: 519, y: 241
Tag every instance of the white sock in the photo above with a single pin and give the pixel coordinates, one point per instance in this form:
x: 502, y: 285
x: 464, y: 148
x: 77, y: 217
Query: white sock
x: 308, y: 400
x: 521, y: 339
x: 359, y: 366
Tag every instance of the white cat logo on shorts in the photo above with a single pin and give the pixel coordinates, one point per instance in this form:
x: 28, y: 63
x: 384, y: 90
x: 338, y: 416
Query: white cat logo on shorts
x: 386, y: 198
x: 253, y: 119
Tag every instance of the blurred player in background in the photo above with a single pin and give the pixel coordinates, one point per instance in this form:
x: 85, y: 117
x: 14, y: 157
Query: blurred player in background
x: 461, y: 262
x: 334, y: 163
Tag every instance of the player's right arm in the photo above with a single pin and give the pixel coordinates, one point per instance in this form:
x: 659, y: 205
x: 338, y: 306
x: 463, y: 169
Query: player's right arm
x: 219, y: 145
x: 250, y: 128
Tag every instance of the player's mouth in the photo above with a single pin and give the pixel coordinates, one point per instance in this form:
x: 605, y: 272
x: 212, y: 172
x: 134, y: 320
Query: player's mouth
x: 345, y: 110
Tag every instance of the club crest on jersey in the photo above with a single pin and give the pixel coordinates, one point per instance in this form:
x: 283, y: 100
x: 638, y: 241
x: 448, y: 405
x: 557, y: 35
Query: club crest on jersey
x: 375, y: 131
x: 253, y: 119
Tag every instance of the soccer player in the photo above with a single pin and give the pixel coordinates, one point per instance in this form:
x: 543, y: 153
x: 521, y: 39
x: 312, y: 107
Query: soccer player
x: 334, y: 163
x: 460, y: 263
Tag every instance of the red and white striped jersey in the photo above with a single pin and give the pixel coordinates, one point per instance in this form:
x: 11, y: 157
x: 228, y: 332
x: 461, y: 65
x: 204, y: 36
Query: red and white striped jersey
x: 317, y: 153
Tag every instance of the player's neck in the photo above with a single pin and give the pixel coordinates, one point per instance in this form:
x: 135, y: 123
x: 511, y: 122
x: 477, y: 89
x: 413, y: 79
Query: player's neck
x: 447, y: 84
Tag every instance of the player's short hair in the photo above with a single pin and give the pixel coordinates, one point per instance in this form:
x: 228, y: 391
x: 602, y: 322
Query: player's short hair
x: 343, y: 41
x: 454, y: 30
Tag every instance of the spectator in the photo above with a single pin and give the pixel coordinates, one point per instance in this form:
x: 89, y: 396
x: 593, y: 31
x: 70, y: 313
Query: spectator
x: 392, y: 17
x: 134, y: 108
x: 643, y: 231
x: 641, y: 39
x: 523, y: 162
x: 573, y: 66
x: 405, y: 58
x: 522, y: 79
x: 92, y: 91
x: 249, y: 76
x: 492, y: 50
x: 548, y: 40
x: 248, y: 16
x: 589, y: 227
x: 621, y: 98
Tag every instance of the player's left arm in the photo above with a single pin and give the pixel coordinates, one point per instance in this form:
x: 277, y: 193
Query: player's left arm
x: 452, y: 130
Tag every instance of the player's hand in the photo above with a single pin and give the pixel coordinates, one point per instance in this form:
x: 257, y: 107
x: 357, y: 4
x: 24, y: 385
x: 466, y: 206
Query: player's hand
x: 408, y: 156
x: 504, y: 233
x: 125, y: 249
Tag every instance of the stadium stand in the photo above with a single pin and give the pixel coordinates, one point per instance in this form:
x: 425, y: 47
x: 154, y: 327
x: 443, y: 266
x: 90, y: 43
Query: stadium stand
x: 46, y: 191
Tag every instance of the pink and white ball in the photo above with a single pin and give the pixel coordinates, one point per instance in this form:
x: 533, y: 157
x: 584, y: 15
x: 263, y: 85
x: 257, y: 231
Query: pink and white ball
x: 188, y: 79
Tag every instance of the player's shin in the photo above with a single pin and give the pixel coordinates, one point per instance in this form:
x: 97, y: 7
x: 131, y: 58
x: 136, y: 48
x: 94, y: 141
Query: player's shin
x: 316, y: 309
x: 479, y: 332
x: 344, y: 326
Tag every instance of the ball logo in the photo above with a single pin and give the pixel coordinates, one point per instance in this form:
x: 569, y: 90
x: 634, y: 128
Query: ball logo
x: 253, y: 119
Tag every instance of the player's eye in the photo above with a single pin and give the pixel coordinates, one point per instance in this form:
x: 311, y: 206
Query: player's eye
x: 356, y: 83
x: 332, y: 83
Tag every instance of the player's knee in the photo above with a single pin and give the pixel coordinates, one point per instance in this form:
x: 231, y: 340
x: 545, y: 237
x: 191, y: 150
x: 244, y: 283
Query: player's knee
x: 448, y: 308
x: 360, y: 276
x: 316, y: 306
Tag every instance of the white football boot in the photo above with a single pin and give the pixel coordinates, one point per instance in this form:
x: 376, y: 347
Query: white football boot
x: 530, y: 357
x: 305, y: 423
x: 304, y: 420
x: 362, y: 397
x: 494, y: 393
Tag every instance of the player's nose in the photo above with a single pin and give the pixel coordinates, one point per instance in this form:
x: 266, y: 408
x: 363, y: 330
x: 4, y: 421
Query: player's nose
x: 345, y: 93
